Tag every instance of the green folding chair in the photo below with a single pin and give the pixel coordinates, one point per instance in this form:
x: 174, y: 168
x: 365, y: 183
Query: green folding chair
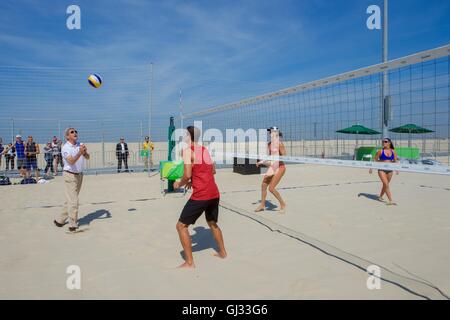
x: 170, y: 170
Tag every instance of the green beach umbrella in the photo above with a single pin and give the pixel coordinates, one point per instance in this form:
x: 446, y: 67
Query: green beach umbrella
x: 358, y: 129
x: 410, y: 128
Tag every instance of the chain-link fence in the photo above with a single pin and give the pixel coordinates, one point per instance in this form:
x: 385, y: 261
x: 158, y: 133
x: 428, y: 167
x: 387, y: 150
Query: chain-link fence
x: 101, y: 138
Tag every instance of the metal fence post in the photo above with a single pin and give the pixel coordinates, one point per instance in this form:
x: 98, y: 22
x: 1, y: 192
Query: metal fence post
x: 315, y: 139
x: 138, y: 158
x: 337, y: 146
x: 103, y: 146
x: 12, y: 130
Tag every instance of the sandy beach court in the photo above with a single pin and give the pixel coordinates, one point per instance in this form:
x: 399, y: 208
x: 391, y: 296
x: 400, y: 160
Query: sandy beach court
x: 332, y: 230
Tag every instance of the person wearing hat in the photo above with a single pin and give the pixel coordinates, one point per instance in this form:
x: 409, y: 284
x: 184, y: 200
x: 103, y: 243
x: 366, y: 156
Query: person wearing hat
x: 275, y: 171
x: 148, y: 147
x: 21, y: 158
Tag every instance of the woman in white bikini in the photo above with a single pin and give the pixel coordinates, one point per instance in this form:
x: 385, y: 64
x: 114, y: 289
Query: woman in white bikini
x: 275, y: 171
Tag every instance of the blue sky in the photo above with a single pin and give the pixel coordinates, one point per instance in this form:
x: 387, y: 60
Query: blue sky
x: 215, y: 51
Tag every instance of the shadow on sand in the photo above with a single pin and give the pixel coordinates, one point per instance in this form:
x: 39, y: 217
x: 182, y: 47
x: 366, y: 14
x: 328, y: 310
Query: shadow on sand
x: 373, y: 197
x: 202, y: 240
x: 97, y: 215
x: 269, y: 205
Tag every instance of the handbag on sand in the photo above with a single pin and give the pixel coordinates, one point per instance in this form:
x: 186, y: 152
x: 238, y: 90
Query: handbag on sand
x: 4, y: 181
x: 28, y: 181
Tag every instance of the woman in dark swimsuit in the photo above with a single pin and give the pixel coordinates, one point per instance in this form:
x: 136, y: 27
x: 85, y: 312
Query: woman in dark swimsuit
x: 386, y: 154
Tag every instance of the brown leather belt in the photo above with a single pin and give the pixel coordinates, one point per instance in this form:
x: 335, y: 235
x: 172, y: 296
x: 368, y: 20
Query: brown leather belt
x: 77, y: 174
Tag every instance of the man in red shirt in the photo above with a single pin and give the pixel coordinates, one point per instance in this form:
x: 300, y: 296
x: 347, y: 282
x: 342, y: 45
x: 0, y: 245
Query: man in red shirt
x: 199, y: 172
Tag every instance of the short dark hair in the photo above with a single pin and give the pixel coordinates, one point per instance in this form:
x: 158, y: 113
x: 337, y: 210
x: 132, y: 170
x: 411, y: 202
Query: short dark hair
x: 194, y: 132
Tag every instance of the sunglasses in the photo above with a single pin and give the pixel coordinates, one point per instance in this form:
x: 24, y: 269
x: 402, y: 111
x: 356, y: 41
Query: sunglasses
x: 385, y: 141
x: 73, y: 131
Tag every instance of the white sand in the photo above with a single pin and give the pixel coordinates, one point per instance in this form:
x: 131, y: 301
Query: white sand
x: 133, y: 254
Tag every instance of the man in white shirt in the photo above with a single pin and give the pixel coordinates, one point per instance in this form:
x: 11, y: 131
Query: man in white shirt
x: 73, y: 154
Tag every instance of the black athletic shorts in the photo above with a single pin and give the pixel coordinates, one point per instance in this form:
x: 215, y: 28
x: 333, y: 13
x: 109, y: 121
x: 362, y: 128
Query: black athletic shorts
x: 194, y: 209
x: 21, y: 163
x: 31, y: 164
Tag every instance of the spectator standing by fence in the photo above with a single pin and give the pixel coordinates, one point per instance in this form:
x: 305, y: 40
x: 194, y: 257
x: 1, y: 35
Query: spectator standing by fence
x: 31, y: 152
x: 60, y: 157
x: 48, y: 155
x: 122, y: 154
x: 21, y: 159
x: 10, y: 154
x: 56, y: 153
x: 147, y: 148
x: 2, y: 148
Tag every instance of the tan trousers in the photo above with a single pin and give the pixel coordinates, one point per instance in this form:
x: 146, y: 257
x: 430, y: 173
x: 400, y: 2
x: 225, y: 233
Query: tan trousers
x: 147, y: 161
x: 72, y: 184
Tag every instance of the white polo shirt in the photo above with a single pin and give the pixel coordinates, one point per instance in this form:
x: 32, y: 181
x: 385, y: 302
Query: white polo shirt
x: 72, y: 150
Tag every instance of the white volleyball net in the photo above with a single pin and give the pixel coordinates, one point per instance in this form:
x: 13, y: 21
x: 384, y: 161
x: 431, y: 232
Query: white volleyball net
x: 311, y: 114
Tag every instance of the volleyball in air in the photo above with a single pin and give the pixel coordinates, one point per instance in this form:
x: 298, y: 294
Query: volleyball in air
x: 95, y: 80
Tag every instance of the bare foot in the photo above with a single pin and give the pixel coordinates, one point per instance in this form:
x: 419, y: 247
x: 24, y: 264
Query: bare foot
x: 390, y: 203
x: 282, y: 208
x: 222, y: 255
x: 381, y: 199
x: 186, y: 265
x: 259, y: 209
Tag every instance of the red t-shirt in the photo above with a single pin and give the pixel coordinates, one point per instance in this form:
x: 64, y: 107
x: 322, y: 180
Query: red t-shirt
x: 203, y: 184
